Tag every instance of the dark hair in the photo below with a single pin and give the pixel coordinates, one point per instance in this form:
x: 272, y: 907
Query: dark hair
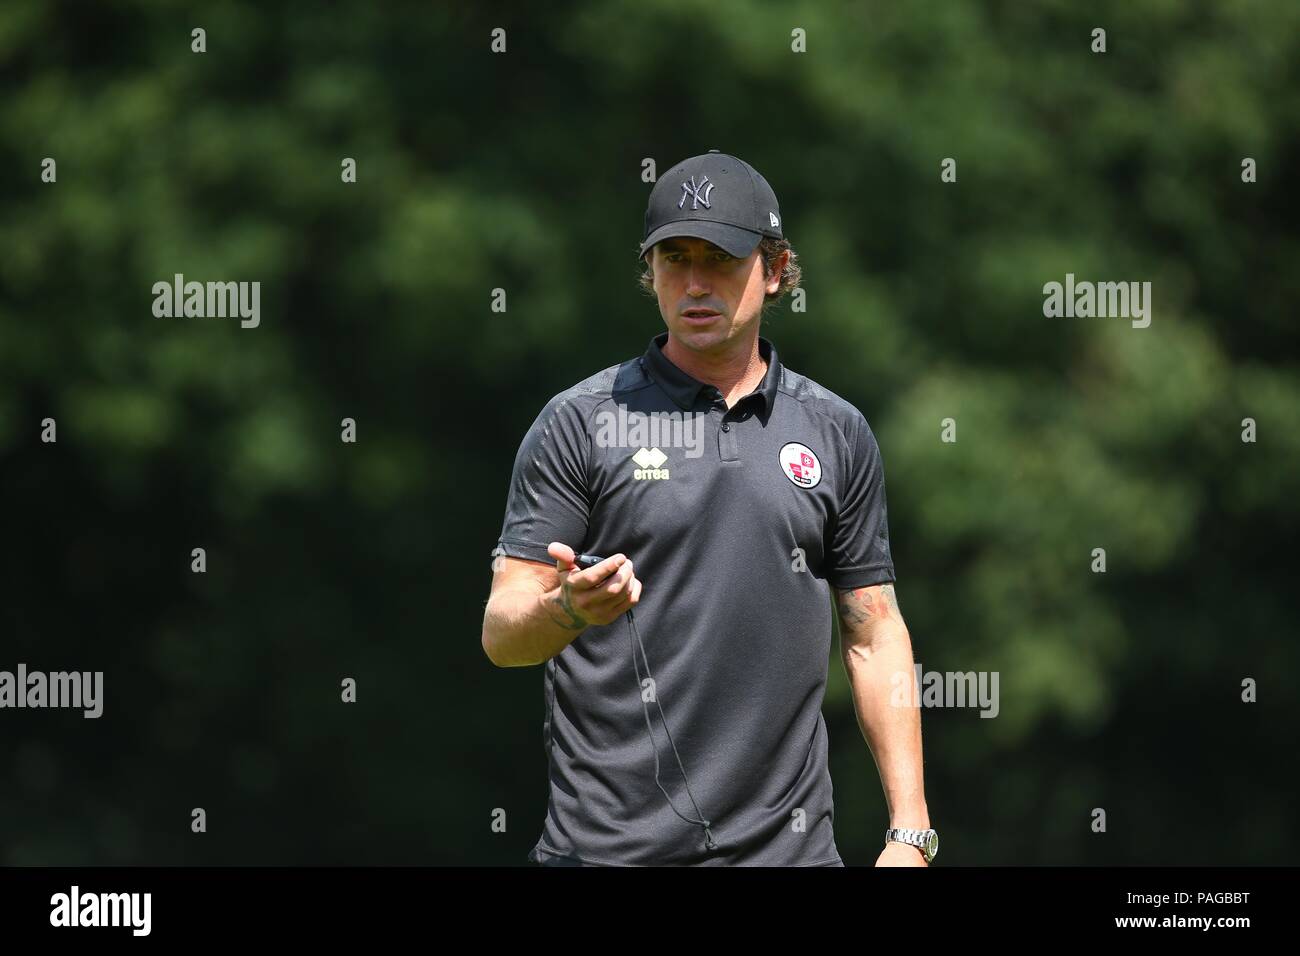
x: 769, y: 250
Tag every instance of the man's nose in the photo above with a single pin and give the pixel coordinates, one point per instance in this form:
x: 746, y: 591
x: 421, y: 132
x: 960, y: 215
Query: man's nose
x: 698, y: 278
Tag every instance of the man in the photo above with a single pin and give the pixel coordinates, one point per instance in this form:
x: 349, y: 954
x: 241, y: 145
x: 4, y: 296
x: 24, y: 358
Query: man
x: 728, y: 496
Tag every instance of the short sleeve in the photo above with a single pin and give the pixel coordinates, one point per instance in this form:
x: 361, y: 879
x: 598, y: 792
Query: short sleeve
x: 548, y: 498
x: 858, y: 555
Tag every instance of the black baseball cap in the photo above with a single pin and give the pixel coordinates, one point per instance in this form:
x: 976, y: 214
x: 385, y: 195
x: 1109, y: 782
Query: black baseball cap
x: 715, y: 197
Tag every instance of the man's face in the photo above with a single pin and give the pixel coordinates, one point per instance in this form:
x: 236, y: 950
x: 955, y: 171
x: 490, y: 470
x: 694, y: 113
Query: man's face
x: 707, y: 296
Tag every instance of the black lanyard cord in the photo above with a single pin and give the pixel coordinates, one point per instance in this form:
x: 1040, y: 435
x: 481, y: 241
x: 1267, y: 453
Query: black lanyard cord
x: 709, y: 843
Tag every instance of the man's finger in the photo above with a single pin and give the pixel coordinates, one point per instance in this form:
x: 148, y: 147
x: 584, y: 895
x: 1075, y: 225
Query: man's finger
x: 593, y: 576
x: 618, y: 581
x: 564, y: 557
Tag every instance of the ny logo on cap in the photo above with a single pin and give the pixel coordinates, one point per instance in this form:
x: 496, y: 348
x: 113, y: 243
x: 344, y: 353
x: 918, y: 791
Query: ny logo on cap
x: 692, y: 190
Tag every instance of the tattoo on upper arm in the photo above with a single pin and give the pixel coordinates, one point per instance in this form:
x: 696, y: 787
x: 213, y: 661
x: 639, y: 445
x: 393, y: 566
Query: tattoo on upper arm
x: 864, y: 605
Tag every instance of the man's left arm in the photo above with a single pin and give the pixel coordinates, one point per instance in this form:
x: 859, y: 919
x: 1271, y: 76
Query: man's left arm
x: 876, y: 649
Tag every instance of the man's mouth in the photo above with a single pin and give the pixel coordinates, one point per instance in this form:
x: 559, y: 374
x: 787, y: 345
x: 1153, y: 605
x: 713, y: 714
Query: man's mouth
x: 700, y: 313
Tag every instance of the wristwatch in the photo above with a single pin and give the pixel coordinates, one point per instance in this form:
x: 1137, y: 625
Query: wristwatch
x: 927, y: 841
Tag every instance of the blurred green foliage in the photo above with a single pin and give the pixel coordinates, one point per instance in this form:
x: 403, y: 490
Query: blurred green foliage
x: 521, y: 171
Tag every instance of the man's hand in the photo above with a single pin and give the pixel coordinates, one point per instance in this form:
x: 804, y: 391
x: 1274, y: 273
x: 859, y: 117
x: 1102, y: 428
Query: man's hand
x: 595, y: 595
x: 900, y: 854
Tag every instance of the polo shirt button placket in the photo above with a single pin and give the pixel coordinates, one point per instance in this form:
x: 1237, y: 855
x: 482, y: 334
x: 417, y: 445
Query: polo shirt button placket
x: 728, y: 447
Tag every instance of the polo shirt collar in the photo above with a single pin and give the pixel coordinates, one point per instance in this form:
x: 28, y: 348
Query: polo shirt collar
x: 684, y: 390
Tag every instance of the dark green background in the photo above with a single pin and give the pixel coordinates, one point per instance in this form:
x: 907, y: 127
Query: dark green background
x: 521, y: 171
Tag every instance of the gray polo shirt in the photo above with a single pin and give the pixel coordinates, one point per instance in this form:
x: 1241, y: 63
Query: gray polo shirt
x: 736, y: 520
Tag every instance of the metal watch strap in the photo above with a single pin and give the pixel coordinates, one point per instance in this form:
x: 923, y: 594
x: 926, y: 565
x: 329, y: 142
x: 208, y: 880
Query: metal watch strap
x: 914, y: 838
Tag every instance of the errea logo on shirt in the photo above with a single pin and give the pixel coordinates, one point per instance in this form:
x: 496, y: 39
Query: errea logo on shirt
x: 649, y: 462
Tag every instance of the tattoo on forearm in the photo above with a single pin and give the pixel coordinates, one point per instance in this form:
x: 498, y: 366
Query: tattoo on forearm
x: 568, y: 617
x: 863, y: 605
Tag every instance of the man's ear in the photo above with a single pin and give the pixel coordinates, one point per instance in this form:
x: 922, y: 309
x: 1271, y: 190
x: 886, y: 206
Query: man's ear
x: 778, y: 269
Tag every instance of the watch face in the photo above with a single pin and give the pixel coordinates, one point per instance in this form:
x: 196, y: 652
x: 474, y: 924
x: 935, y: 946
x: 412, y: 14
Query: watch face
x: 932, y: 843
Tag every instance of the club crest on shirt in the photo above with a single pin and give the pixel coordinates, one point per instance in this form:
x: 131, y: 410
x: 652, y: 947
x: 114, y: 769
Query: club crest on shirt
x: 800, y: 465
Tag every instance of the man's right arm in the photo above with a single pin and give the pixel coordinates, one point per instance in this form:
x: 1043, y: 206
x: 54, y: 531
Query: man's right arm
x: 526, y: 621
x: 535, y: 610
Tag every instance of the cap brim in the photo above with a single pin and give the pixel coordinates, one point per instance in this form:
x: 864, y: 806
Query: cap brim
x: 732, y: 239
